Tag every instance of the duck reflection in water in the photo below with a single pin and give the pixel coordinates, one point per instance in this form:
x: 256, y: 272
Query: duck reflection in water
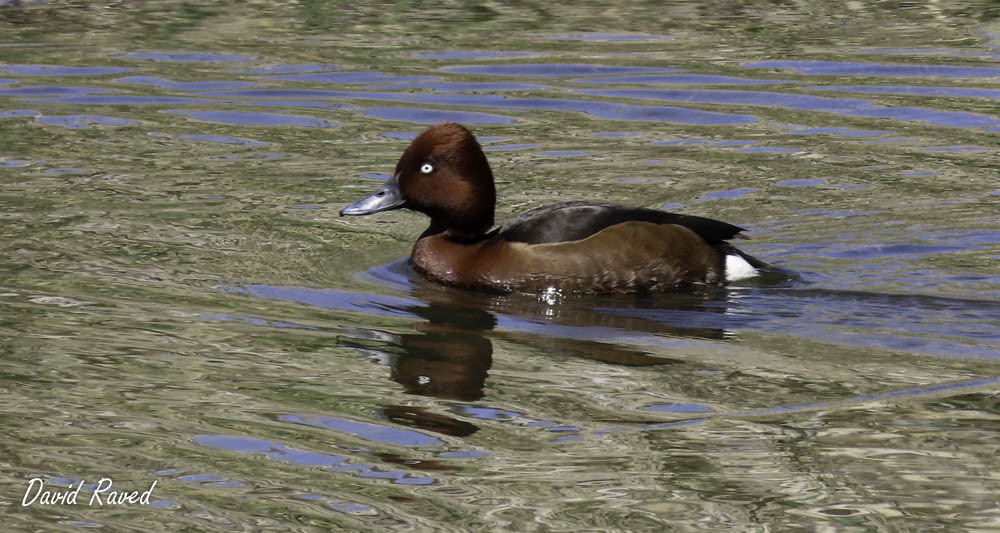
x: 449, y: 357
x: 450, y: 352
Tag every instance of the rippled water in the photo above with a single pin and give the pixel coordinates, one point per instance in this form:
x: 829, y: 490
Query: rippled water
x: 179, y: 302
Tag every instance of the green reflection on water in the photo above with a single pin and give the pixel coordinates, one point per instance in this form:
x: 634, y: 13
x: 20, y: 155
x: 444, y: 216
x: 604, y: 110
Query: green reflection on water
x: 120, y: 346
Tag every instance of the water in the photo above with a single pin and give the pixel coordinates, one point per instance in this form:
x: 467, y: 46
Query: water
x: 180, y: 303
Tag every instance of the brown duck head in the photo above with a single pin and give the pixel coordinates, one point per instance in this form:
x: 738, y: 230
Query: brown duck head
x: 443, y: 174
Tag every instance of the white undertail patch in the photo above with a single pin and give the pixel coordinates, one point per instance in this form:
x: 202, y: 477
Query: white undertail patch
x: 738, y: 268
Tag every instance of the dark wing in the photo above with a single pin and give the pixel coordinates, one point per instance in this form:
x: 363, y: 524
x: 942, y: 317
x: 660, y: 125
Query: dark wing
x: 572, y: 221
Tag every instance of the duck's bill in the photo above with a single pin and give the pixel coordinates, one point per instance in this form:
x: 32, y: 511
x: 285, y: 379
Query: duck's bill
x: 385, y: 198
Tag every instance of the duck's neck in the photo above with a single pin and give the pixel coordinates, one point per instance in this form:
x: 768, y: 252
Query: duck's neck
x: 467, y: 225
x: 455, y: 234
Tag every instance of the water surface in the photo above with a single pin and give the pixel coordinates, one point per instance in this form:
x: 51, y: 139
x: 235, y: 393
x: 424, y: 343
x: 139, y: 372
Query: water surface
x: 181, y: 303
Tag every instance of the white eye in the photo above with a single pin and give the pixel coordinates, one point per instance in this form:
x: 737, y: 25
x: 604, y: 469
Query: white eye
x: 426, y: 168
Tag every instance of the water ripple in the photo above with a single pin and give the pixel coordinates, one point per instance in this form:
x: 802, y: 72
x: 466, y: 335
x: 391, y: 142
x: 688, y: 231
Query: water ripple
x: 843, y: 106
x: 58, y: 70
x: 245, y: 118
x: 600, y: 109
x: 190, y: 57
x: 848, y: 68
x: 185, y: 85
x: 552, y: 69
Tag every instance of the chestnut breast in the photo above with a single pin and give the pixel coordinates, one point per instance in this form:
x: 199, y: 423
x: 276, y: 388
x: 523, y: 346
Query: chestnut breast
x: 627, y: 257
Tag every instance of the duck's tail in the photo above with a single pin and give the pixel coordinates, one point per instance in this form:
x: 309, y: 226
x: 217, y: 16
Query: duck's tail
x: 741, y: 265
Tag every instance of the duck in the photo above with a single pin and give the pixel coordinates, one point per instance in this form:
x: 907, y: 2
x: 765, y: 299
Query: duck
x: 569, y: 247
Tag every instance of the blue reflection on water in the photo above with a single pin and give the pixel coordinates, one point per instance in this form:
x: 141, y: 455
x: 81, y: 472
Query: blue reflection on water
x: 800, y: 183
x: 348, y: 77
x: 351, y: 507
x: 373, y: 432
x: 185, y: 85
x: 51, y: 90
x: 125, y: 99
x: 843, y: 106
x: 278, y: 93
x: 769, y: 149
x: 911, y: 323
x: 432, y: 116
x: 552, y: 69
x: 404, y: 136
x: 272, y: 449
x: 470, y: 86
x: 890, y: 250
x: 509, y: 147
x: 727, y: 194
x: 923, y: 91
x: 877, y: 69
x: 612, y: 111
x: 679, y: 408
x: 838, y: 131
x: 600, y: 109
x: 489, y: 413
x: 200, y: 478
x: 718, y: 96
x: 679, y: 142
x: 681, y: 79
x: 956, y: 149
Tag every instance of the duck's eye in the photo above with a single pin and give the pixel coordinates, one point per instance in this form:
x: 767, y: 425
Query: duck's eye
x: 426, y: 168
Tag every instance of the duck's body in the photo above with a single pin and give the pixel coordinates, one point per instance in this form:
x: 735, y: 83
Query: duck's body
x: 573, y: 247
x: 581, y: 247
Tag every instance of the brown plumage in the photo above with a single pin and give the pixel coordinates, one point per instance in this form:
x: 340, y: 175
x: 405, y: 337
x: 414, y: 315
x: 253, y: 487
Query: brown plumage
x: 626, y: 257
x: 461, y: 196
x: 574, y: 247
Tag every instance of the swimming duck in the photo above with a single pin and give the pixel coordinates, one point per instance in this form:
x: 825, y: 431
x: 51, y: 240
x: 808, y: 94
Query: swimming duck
x: 585, y: 247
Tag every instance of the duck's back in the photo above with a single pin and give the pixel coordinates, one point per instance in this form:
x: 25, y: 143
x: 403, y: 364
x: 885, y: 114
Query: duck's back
x: 573, y: 221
